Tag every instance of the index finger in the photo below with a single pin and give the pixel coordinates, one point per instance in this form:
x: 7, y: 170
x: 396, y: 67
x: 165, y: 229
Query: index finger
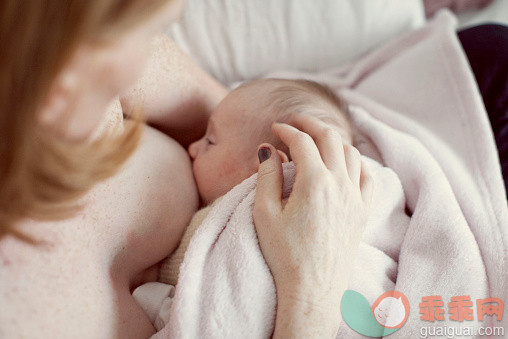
x: 328, y: 141
x: 302, y: 148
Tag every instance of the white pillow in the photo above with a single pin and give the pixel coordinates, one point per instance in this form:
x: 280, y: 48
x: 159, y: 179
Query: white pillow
x: 238, y: 40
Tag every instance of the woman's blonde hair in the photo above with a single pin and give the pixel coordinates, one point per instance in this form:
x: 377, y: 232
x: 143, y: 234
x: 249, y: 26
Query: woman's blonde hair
x: 41, y: 175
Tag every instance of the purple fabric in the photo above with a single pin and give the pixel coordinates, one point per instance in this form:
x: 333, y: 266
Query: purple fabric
x: 486, y: 47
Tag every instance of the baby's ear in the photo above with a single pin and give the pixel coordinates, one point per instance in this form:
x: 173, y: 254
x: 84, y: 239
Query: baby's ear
x: 283, y: 156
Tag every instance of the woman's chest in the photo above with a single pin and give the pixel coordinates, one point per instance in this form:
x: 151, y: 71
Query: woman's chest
x: 78, y: 282
x: 53, y: 289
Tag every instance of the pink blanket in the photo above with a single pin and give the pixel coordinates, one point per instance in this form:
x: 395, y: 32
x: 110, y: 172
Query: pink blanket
x: 439, y: 219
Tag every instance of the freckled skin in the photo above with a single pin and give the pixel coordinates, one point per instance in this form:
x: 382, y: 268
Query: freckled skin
x: 85, y: 272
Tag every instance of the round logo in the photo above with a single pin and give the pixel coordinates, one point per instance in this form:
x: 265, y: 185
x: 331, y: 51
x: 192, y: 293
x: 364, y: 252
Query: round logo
x: 391, y: 309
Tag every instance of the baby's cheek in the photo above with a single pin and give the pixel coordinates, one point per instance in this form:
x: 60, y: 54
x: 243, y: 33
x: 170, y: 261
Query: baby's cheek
x: 233, y: 172
x: 208, y: 178
x: 219, y: 173
x: 228, y: 169
x: 202, y: 174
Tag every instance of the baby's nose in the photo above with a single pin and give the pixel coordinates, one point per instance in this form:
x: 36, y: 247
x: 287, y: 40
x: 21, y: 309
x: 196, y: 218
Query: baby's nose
x: 193, y: 150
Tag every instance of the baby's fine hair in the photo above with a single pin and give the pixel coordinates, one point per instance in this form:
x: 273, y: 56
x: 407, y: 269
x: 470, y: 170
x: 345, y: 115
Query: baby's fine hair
x: 303, y: 97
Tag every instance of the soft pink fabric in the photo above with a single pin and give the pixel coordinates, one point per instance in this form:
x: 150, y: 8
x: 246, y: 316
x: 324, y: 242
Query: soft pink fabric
x: 419, y: 112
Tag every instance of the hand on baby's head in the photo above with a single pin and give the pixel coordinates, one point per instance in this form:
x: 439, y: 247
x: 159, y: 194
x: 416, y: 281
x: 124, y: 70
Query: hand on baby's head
x: 227, y: 153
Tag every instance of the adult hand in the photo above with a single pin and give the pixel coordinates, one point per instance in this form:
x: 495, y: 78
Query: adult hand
x: 310, y: 241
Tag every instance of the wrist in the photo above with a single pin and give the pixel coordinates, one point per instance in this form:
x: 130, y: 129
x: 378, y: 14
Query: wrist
x: 312, y: 299
x: 304, y: 316
x: 310, y: 308
x: 308, y: 304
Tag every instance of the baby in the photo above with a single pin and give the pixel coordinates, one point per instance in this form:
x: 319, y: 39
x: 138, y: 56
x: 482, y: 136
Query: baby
x: 227, y: 155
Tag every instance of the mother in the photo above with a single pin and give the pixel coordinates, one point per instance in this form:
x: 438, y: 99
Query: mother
x: 73, y: 245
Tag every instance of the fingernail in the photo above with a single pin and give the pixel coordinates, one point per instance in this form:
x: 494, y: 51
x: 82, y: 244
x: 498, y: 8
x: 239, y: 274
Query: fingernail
x: 264, y: 154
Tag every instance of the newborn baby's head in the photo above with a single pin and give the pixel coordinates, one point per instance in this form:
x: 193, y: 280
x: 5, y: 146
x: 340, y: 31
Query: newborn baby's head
x: 227, y: 154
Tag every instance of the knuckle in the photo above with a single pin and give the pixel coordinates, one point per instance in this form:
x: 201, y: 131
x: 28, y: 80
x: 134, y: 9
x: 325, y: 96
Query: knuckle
x: 352, y: 151
x: 315, y: 174
x: 302, y: 137
x: 258, y: 213
x: 262, y: 208
x: 300, y: 140
x: 320, y: 177
x: 330, y: 133
x: 266, y: 171
x: 263, y: 215
x: 309, y: 179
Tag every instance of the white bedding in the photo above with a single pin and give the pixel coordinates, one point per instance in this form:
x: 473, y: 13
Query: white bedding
x: 237, y: 40
x: 496, y: 12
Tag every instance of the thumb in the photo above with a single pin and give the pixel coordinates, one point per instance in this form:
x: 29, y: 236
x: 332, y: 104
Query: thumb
x: 268, y: 201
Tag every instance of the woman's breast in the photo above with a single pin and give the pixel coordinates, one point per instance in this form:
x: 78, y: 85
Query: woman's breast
x: 147, y: 206
x: 83, y: 272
